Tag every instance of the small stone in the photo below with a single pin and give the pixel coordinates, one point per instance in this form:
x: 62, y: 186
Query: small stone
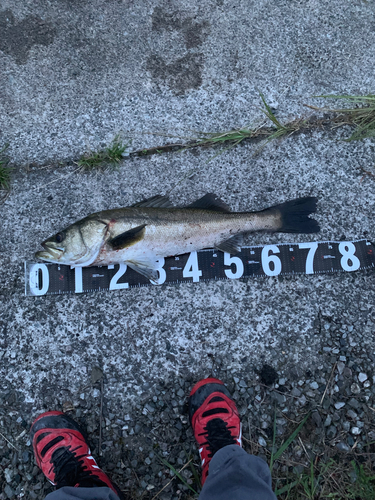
x: 262, y: 441
x: 342, y: 358
x: 282, y: 381
x: 280, y: 398
x: 242, y: 383
x: 148, y: 461
x: 8, y: 491
x: 96, y: 374
x: 340, y: 367
x: 316, y: 418
x: 355, y: 431
x: 82, y: 395
x: 342, y: 446
x: 326, y: 349
x: 346, y: 426
x: 362, y: 377
x: 180, y: 393
x: 236, y: 380
x: 314, y: 385
x: 351, y: 414
x: 8, y: 473
x: 339, y: 405
x: 354, y: 403
x: 295, y: 392
x: 331, y: 431
x: 95, y: 393
x: 355, y: 388
x: 328, y: 421
x: 366, y: 384
x: 302, y: 400
x: 25, y: 457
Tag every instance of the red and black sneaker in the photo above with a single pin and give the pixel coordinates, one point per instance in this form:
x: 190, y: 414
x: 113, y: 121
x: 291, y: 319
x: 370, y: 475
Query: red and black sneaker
x: 214, y: 418
x: 63, y: 454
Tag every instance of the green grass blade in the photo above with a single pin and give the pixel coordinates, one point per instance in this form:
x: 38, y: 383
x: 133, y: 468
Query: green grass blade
x: 273, y: 442
x: 268, y: 112
x: 181, y: 478
x: 287, y: 488
x: 290, y: 439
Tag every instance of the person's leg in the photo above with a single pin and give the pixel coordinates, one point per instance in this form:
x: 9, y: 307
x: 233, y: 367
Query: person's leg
x: 64, y: 457
x: 228, y: 472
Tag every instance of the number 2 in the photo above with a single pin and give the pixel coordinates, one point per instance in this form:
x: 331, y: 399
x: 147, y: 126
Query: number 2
x: 114, y: 285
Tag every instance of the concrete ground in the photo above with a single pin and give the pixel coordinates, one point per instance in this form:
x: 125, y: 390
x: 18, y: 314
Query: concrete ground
x: 73, y: 75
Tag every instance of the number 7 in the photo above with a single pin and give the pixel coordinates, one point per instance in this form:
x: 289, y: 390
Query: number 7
x: 310, y: 256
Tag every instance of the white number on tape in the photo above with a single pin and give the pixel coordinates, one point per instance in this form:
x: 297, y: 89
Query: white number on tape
x: 310, y: 255
x: 114, y: 285
x: 228, y: 261
x: 268, y: 258
x: 191, y: 269
x: 37, y: 271
x: 347, y: 250
x: 161, y: 271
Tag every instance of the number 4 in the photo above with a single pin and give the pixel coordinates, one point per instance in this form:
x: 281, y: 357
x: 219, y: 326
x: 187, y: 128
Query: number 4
x: 191, y: 269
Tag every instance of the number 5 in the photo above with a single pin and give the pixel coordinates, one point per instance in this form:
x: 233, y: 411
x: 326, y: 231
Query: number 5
x: 228, y: 261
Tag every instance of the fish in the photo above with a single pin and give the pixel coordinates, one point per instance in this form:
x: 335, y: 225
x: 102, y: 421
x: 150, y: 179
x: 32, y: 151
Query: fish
x: 143, y: 233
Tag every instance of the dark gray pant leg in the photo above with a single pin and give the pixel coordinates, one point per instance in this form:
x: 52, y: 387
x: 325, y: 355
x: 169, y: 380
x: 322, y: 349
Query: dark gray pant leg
x: 72, y: 493
x: 236, y: 475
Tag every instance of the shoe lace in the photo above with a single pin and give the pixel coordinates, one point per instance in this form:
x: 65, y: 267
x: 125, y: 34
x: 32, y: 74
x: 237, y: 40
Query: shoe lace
x: 218, y: 435
x: 69, y: 467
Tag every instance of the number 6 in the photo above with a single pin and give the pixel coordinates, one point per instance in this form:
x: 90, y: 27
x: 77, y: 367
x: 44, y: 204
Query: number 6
x: 267, y: 259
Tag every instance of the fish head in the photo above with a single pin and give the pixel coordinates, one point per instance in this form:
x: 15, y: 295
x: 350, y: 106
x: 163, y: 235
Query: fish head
x: 77, y: 245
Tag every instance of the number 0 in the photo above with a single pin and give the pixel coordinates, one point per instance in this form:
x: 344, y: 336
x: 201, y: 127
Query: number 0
x: 34, y: 275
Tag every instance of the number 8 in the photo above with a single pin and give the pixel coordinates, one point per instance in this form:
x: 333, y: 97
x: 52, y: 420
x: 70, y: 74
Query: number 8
x: 347, y: 250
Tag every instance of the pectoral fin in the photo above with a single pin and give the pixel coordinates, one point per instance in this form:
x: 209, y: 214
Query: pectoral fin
x: 146, y: 268
x: 128, y: 238
x: 233, y: 245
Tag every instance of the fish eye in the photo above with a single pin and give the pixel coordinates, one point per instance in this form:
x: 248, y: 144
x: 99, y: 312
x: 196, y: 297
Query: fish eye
x: 59, y: 237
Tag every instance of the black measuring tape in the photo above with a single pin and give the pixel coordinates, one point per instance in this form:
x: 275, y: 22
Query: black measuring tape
x: 269, y: 260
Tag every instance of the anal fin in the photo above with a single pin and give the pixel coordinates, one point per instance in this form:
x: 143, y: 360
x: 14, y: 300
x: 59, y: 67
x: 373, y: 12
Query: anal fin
x: 146, y: 267
x: 232, y: 245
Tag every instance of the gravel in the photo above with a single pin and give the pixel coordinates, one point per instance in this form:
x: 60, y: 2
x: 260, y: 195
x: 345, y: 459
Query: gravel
x: 135, y: 439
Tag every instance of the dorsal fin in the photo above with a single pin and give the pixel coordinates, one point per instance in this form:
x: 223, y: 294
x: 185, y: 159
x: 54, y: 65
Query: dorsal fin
x: 210, y: 201
x: 157, y: 201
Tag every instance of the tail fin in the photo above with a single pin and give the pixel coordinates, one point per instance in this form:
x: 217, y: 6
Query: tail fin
x: 294, y: 216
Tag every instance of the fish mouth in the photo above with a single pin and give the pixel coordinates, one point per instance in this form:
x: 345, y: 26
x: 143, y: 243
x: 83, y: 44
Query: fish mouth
x: 51, y: 253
